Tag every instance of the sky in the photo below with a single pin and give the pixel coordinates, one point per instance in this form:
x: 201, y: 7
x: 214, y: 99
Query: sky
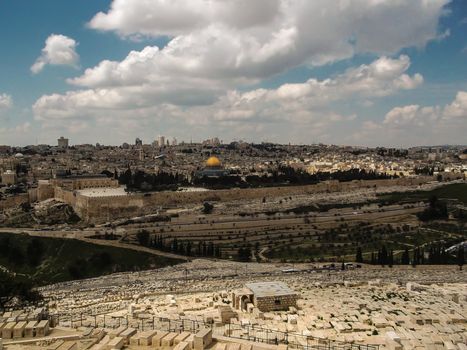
x: 348, y: 72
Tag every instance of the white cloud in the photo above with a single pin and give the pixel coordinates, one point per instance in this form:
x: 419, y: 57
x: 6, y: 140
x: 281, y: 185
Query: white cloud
x: 269, y: 36
x: 411, y: 115
x: 113, y: 89
x: 6, y: 101
x: 161, y: 17
x: 419, y: 125
x: 458, y: 108
x: 58, y: 50
x: 298, y: 107
x: 417, y: 115
x: 218, y: 48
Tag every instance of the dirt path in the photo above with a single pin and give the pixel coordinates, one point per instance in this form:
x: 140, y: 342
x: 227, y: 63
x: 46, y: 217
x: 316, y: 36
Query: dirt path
x: 138, y: 248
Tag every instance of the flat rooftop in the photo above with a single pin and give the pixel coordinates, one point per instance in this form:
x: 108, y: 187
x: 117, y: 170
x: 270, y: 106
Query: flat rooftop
x: 269, y: 289
x: 103, y: 192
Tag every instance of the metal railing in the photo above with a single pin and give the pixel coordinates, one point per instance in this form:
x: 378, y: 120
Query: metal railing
x: 232, y: 330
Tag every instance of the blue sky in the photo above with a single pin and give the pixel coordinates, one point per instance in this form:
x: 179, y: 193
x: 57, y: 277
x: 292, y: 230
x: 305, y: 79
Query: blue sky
x: 236, y: 71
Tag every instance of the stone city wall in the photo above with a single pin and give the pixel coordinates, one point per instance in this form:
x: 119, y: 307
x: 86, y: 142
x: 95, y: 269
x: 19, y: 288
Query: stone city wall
x: 66, y: 196
x: 97, y: 209
x: 45, y: 190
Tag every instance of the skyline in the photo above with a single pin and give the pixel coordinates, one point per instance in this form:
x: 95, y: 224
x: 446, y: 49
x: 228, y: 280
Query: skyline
x: 364, y: 73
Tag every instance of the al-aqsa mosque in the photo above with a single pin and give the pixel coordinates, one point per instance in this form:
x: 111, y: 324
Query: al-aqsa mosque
x: 213, y: 168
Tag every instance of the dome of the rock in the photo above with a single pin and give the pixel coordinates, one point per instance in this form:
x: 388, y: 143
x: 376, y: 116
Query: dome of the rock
x: 213, y: 162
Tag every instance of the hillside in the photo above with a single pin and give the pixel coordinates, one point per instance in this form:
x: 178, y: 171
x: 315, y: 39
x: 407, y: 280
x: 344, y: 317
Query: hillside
x: 49, y: 260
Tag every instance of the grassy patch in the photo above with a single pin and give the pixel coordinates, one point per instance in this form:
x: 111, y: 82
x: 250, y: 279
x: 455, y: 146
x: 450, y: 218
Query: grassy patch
x: 453, y: 191
x: 49, y: 260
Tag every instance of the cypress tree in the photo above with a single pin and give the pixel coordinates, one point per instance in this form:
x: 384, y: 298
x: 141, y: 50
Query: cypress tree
x: 359, y: 256
x: 460, y: 256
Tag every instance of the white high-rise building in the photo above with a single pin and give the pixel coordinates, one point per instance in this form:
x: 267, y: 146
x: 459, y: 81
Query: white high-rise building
x: 161, y: 141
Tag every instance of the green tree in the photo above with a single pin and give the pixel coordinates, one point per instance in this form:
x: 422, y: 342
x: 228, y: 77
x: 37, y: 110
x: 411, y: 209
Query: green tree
x: 460, y: 256
x: 359, y: 256
x: 34, y: 252
x: 405, y: 260
x: 143, y: 237
x: 12, y: 290
x: 391, y: 258
x: 207, y: 208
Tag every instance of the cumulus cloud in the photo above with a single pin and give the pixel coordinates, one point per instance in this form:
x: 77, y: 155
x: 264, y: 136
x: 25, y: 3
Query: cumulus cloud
x: 417, y: 115
x: 6, y: 101
x: 302, y: 106
x: 419, y: 125
x: 218, y: 49
x: 458, y: 108
x: 161, y: 17
x: 276, y: 34
x: 58, y: 50
x: 112, y: 86
x: 411, y: 115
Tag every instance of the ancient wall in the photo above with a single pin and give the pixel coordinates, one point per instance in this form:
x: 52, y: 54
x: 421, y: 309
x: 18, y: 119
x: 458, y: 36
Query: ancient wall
x: 95, y: 209
x: 45, y: 190
x: 98, y: 209
x: 66, y: 196
x: 85, y: 182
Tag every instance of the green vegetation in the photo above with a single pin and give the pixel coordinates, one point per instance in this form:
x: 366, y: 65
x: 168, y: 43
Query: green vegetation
x: 453, y: 191
x: 436, y: 210
x: 48, y: 260
x: 14, y: 290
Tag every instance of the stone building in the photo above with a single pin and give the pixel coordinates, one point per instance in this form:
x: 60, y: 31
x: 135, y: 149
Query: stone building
x: 213, y: 168
x: 9, y: 178
x: 62, y: 142
x: 266, y: 296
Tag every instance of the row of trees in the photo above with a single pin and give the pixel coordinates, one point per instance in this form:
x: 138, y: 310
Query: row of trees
x: 288, y: 175
x: 433, y: 255
x: 174, y: 245
x: 142, y: 181
x: 436, y: 210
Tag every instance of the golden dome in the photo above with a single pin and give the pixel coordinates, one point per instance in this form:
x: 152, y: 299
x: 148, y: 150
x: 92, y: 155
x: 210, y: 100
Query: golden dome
x: 213, y: 162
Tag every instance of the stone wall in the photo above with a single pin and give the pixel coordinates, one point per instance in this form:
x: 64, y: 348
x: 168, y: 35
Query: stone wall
x: 45, y: 190
x: 278, y: 303
x: 85, y: 182
x: 98, y: 209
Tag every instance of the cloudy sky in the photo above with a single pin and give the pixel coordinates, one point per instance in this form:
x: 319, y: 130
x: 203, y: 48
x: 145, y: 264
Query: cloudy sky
x: 355, y: 72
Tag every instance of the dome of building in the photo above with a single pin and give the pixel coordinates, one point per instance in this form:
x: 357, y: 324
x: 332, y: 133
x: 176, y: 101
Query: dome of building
x: 213, y: 162
x: 19, y: 155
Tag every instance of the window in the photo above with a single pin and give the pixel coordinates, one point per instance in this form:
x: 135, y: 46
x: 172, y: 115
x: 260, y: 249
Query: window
x: 277, y: 301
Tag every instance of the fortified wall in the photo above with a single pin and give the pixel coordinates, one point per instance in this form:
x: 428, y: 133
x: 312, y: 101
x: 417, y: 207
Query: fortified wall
x: 98, y: 209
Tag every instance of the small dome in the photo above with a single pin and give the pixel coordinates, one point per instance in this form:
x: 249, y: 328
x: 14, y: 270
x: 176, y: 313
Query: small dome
x: 213, y: 162
x: 19, y: 155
